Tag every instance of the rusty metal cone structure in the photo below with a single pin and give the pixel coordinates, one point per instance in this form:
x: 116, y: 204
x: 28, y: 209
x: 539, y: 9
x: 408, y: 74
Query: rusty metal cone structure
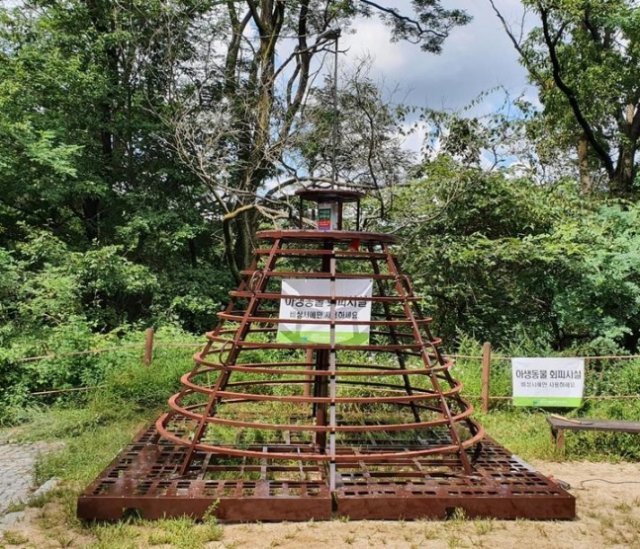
x: 322, y: 390
x: 333, y: 399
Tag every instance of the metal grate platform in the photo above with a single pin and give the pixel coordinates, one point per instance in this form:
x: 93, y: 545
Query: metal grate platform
x: 144, y: 480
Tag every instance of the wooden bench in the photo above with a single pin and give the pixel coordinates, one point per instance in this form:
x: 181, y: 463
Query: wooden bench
x: 561, y: 424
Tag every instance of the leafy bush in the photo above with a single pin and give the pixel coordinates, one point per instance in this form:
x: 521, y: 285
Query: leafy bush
x: 505, y: 259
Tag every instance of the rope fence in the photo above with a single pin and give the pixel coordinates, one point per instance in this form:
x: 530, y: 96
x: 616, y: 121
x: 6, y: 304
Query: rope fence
x: 586, y: 358
x: 55, y: 356
x: 150, y: 346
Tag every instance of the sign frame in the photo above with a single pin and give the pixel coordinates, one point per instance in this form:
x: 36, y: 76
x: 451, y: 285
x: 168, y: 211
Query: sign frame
x: 349, y: 306
x: 556, y: 382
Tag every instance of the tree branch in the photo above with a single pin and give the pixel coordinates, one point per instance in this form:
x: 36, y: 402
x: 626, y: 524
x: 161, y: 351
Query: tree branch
x: 634, y: 131
x: 516, y: 44
x: 256, y: 16
x: 231, y: 61
x: 292, y: 180
x: 397, y: 15
x: 568, y: 92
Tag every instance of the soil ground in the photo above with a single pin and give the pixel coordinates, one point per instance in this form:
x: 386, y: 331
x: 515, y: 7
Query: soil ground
x: 608, y: 516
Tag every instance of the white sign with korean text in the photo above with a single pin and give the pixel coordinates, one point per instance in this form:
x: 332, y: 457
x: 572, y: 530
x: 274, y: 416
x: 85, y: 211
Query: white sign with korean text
x: 350, y: 307
x: 550, y: 382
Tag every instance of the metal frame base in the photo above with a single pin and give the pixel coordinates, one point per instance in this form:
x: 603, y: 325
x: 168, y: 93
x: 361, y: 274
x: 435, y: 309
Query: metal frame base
x: 144, y: 480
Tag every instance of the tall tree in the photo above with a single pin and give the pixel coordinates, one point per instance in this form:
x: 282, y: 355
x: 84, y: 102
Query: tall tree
x: 82, y: 154
x: 368, y: 152
x: 84, y: 73
x: 584, y: 57
x: 246, y: 98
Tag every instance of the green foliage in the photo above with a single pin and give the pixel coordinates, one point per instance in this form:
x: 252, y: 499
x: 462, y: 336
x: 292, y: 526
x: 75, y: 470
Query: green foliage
x: 129, y: 385
x: 617, y: 445
x: 106, y: 230
x: 503, y: 259
x: 370, y: 131
x: 429, y: 25
x: 98, y: 221
x: 95, y: 427
x: 584, y: 58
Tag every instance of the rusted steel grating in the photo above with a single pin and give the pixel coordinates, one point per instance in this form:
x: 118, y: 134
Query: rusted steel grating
x: 145, y: 479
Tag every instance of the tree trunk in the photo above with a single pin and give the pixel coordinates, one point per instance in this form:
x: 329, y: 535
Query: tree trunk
x: 621, y: 184
x: 102, y: 20
x: 193, y: 255
x: 586, y: 183
x: 91, y: 218
x: 245, y: 227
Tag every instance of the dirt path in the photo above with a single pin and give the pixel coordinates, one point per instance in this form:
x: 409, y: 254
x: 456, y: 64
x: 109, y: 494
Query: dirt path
x: 608, y: 516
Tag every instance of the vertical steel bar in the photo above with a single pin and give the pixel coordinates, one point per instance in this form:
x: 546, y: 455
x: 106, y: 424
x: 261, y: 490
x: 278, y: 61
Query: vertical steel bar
x: 332, y: 376
x: 220, y: 324
x: 334, y: 133
x: 322, y: 363
x: 446, y: 412
x: 301, y: 212
x: 392, y: 331
x: 446, y: 373
x: 306, y: 391
x: 240, y: 334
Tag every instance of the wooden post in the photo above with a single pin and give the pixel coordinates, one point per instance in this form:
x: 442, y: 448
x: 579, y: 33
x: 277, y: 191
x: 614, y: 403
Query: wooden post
x: 486, y: 375
x: 148, y: 347
x: 557, y: 436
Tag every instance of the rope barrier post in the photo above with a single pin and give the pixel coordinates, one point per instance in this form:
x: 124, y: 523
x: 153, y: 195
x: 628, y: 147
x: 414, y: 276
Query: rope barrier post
x: 486, y: 375
x: 148, y: 347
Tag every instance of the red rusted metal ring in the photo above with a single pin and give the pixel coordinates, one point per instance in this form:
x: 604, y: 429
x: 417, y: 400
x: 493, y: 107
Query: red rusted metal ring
x: 174, y: 403
x: 330, y: 236
x: 338, y: 458
x: 421, y: 384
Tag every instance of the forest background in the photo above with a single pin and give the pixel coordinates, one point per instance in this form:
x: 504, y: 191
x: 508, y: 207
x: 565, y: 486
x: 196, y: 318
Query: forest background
x: 143, y: 143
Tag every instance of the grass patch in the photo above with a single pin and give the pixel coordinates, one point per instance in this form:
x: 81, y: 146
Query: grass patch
x: 95, y: 427
x: 525, y: 433
x: 10, y: 537
x: 85, y: 455
x: 120, y: 535
x: 483, y: 527
x: 183, y: 533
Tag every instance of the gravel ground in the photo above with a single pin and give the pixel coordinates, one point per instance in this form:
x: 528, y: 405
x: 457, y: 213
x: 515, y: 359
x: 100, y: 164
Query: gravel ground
x: 17, y: 463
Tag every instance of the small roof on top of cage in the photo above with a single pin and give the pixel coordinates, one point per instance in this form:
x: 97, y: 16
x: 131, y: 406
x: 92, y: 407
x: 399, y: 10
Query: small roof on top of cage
x: 329, y: 194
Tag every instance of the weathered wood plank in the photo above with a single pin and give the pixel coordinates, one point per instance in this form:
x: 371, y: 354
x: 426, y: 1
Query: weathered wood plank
x: 560, y: 424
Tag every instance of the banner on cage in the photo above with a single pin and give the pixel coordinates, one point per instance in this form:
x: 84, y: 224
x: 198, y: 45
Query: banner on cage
x: 349, y: 308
